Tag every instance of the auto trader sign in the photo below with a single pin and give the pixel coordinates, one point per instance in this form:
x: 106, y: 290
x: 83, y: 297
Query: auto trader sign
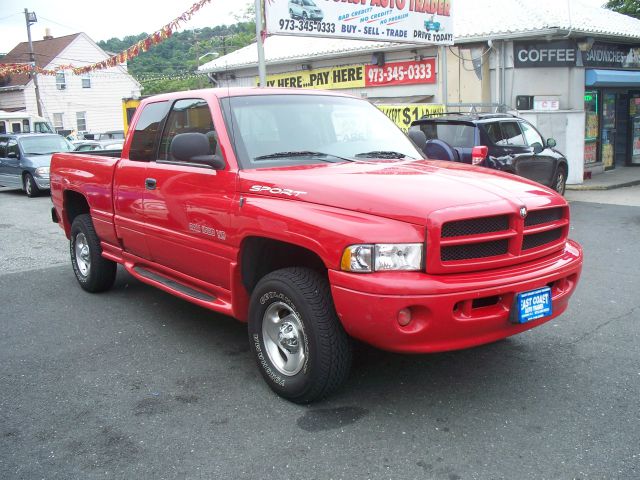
x: 411, y: 21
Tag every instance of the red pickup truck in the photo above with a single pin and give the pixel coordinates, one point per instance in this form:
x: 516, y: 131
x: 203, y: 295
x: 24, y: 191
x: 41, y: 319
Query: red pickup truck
x: 313, y: 218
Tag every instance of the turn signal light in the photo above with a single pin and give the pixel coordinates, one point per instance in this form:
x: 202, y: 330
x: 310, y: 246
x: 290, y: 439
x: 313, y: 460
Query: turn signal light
x: 478, y: 154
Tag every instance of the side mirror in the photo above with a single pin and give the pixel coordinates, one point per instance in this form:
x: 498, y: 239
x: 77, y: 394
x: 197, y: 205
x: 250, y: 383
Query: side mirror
x: 537, y: 148
x: 12, y: 155
x: 551, y: 143
x: 195, y: 148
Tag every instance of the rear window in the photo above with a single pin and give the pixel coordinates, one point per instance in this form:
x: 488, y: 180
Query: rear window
x: 144, y: 145
x: 455, y: 134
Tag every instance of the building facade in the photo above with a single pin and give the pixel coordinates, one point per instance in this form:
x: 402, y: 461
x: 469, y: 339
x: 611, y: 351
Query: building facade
x: 85, y: 103
x: 570, y: 69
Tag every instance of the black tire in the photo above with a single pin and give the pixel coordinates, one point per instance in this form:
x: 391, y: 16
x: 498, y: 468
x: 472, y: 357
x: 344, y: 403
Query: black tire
x: 302, y: 296
x: 101, y: 273
x: 560, y: 180
x: 30, y: 186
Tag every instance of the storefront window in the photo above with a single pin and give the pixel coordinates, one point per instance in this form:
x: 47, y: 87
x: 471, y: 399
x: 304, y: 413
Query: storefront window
x: 608, y: 134
x: 592, y: 127
x: 634, y: 117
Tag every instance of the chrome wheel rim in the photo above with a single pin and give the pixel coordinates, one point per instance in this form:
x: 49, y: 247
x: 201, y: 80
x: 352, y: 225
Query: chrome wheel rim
x: 284, y: 339
x: 83, y: 259
x: 27, y: 185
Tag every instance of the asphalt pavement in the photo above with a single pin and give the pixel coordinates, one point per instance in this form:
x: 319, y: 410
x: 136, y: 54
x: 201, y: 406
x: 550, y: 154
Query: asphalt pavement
x: 135, y: 383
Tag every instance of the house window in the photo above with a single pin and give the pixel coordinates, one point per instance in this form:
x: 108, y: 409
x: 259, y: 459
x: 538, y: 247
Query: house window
x: 57, y: 121
x: 86, y: 81
x: 81, y: 121
x: 61, y: 83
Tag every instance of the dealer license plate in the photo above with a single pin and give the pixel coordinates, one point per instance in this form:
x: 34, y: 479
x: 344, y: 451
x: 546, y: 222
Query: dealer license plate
x: 534, y: 305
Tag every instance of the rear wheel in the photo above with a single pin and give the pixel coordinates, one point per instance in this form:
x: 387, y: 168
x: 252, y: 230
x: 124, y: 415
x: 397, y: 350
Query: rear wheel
x: 560, y: 182
x: 93, y: 272
x: 30, y: 186
x: 300, y: 346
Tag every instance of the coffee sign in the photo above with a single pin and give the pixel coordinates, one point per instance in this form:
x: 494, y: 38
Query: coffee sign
x: 545, y: 54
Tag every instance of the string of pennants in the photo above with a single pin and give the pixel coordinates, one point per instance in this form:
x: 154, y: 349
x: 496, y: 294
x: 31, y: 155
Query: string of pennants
x: 133, y: 51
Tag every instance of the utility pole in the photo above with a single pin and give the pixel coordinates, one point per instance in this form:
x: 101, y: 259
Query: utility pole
x: 262, y: 69
x: 30, y: 18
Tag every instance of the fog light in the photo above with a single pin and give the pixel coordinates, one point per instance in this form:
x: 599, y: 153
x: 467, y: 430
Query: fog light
x: 404, y: 317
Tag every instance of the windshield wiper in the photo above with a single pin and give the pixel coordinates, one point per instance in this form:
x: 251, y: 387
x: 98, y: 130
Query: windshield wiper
x: 386, y: 154
x: 302, y: 153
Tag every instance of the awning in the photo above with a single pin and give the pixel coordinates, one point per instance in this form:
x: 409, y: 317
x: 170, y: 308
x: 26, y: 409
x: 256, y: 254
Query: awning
x: 612, y: 78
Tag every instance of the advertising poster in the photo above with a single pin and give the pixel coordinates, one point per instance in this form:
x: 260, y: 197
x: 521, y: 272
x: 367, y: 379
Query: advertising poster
x: 412, y: 21
x: 404, y: 114
x: 358, y: 76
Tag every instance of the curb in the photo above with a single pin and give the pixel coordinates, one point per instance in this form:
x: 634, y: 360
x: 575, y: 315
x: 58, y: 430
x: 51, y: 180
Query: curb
x: 613, y: 186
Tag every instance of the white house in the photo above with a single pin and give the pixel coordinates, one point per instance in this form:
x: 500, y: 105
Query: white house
x: 90, y: 102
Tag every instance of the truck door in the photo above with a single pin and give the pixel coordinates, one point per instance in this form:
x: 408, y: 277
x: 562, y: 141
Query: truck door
x: 129, y: 179
x: 187, y: 206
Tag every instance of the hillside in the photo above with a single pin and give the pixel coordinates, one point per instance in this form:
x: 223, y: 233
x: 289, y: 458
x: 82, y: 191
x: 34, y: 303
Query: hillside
x: 172, y: 65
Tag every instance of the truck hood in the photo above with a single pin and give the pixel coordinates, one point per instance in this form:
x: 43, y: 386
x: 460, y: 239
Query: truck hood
x: 403, y: 190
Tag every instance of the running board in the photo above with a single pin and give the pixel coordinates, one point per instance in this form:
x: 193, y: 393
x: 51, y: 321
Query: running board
x: 173, y: 285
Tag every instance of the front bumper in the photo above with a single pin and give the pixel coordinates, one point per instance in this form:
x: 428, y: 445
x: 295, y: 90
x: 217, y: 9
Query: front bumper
x: 42, y: 182
x: 449, y: 312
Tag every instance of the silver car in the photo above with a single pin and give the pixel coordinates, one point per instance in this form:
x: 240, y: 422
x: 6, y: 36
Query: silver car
x: 25, y: 160
x: 305, y: 9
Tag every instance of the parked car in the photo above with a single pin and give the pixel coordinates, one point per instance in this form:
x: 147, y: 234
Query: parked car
x: 25, y: 160
x: 110, y: 135
x: 91, y: 145
x: 498, y: 141
x: 305, y: 9
x: 314, y: 228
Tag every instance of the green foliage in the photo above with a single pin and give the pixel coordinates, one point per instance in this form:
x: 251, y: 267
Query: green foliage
x: 626, y: 7
x: 163, y: 67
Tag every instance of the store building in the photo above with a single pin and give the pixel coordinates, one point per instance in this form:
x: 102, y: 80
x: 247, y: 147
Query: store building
x: 570, y: 69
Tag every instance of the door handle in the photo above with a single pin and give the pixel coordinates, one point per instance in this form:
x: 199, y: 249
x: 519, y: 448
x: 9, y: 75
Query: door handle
x: 150, y: 183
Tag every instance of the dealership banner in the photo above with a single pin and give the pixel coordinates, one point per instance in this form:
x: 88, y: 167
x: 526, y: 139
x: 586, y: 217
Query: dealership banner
x: 410, y: 21
x: 358, y: 76
x: 404, y: 114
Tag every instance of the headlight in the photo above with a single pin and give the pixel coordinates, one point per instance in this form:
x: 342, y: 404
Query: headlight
x: 383, y: 257
x: 42, y: 171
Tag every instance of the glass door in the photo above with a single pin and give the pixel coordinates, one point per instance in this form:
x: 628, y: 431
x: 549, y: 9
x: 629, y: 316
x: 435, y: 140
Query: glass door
x: 634, y: 119
x: 591, y: 127
x: 608, y: 132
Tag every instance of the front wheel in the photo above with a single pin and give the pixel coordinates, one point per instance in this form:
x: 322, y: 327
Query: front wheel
x: 300, y: 346
x: 560, y: 182
x: 93, y: 272
x: 30, y: 186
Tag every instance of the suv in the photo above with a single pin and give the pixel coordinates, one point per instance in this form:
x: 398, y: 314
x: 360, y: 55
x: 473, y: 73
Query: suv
x: 305, y: 9
x: 25, y: 159
x: 498, y: 141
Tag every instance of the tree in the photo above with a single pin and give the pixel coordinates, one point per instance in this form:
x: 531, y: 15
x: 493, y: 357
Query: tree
x: 626, y: 7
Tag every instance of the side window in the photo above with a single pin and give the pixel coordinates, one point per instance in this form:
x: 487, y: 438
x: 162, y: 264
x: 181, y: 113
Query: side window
x: 3, y: 127
x: 494, y: 133
x: 188, y: 116
x: 144, y: 144
x: 12, y: 147
x: 531, y: 135
x: 512, y: 134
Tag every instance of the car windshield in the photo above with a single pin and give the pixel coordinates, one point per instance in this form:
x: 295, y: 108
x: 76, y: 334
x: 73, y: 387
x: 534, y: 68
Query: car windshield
x: 313, y: 128
x: 44, y: 145
x: 455, y: 134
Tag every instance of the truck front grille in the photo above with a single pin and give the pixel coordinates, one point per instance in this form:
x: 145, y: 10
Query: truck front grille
x: 468, y: 244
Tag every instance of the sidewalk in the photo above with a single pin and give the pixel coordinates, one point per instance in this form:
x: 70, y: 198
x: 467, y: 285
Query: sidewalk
x: 617, y: 178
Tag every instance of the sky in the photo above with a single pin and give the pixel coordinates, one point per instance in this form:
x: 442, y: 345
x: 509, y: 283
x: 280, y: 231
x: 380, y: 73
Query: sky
x: 102, y: 20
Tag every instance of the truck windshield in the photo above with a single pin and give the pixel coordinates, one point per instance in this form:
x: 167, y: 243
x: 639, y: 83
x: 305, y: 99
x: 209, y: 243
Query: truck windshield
x: 264, y: 128
x: 44, y: 145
